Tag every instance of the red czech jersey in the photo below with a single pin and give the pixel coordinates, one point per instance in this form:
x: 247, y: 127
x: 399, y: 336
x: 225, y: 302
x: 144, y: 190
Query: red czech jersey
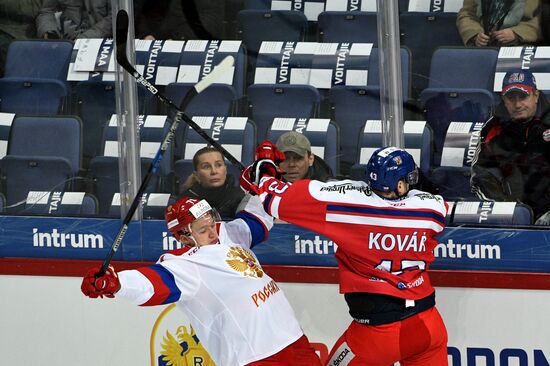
x: 384, y: 246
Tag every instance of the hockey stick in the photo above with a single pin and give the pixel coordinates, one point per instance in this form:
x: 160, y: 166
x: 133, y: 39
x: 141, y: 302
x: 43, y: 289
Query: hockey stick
x: 122, y: 59
x: 221, y: 68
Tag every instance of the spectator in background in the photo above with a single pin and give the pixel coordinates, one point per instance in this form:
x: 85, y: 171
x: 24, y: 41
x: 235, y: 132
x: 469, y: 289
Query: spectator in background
x: 499, y: 22
x: 300, y: 162
x: 166, y: 19
x: 210, y: 181
x: 512, y: 161
x: 78, y: 19
x: 17, y: 21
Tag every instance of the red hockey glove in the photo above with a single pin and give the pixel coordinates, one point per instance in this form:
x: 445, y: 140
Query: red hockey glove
x: 247, y: 183
x: 105, y: 285
x: 268, y: 150
x: 250, y: 177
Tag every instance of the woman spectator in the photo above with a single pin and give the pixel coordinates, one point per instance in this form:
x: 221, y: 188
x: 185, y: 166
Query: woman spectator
x: 210, y: 181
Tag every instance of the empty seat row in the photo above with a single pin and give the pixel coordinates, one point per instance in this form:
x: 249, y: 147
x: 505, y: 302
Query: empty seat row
x: 66, y: 203
x: 312, y: 8
x: 70, y: 204
x: 52, y: 172
x: 320, y: 65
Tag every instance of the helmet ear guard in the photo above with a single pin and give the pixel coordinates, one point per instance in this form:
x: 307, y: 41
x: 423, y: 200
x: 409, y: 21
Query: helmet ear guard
x: 387, y: 166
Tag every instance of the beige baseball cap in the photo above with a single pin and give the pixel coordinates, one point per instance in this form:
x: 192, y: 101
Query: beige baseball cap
x: 295, y: 142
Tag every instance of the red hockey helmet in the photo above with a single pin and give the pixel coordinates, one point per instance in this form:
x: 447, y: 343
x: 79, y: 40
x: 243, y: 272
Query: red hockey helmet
x: 183, y: 212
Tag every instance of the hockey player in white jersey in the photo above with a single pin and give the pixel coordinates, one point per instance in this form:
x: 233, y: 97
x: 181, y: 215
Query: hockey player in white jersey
x: 238, y: 312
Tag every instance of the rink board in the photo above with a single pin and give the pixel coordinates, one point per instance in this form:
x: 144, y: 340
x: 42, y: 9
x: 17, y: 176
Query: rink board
x: 46, y: 321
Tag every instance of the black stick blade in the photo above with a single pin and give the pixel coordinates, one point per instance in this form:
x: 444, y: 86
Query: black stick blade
x: 122, y: 24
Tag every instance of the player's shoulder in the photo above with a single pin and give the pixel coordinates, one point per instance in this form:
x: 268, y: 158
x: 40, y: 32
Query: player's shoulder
x: 426, y: 197
x: 342, y: 186
x: 177, y: 253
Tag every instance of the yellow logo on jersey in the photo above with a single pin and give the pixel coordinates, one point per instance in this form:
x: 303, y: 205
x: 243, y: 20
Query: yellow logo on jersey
x: 241, y: 260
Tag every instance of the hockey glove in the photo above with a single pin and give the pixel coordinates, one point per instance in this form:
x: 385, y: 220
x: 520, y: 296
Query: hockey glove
x: 268, y: 150
x: 106, y: 285
x: 250, y: 177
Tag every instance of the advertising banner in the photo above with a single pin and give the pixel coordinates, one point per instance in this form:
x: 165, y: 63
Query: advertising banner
x: 459, y: 248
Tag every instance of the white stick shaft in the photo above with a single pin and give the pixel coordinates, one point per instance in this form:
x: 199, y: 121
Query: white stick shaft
x: 221, y: 68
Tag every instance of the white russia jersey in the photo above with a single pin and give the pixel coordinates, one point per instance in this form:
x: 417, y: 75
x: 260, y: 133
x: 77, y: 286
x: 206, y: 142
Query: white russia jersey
x: 239, y: 313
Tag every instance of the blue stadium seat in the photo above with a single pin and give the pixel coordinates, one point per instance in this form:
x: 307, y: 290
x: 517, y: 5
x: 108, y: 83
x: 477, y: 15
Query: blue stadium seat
x: 347, y: 26
x: 374, y: 70
x: 96, y: 103
x: 200, y: 56
x: 104, y: 170
x: 323, y: 135
x: 42, y: 59
x: 2, y: 203
x: 257, y: 25
x: 265, y: 101
x: 34, y: 96
x: 48, y: 137
x: 492, y: 213
x: 444, y: 105
x: 351, y: 107
x: 463, y: 67
x: 44, y: 153
x: 21, y: 174
x: 153, y: 205
x: 451, y: 171
x: 422, y: 33
x: 418, y: 137
x: 319, y: 65
x: 34, y: 81
x: 216, y: 100
x: 465, y: 94
x: 61, y: 203
x: 257, y: 4
x: 236, y: 134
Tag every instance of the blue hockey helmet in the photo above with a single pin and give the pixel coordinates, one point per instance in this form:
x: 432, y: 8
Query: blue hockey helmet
x: 387, y: 166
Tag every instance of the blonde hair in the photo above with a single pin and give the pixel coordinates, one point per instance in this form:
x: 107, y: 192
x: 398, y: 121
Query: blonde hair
x: 192, y: 178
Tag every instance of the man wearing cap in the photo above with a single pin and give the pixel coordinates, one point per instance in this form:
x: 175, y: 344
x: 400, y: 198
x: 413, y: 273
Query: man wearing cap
x: 300, y: 162
x: 512, y: 160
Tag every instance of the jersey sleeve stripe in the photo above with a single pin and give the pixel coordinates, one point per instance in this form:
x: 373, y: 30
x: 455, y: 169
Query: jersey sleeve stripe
x: 274, y: 208
x: 257, y: 228
x: 385, y: 222
x: 393, y: 213
x: 166, y: 290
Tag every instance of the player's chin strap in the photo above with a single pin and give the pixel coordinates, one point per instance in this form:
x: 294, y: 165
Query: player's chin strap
x: 190, y: 236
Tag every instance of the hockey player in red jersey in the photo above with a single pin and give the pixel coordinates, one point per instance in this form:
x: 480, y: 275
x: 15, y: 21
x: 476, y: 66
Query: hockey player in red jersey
x: 239, y: 313
x: 385, y: 233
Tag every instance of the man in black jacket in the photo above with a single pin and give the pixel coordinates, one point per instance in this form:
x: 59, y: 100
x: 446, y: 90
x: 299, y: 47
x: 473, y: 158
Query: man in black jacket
x: 512, y: 161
